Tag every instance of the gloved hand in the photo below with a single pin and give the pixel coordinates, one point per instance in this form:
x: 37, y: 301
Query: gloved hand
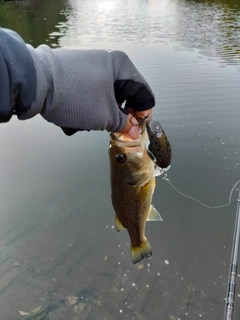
x: 83, y: 89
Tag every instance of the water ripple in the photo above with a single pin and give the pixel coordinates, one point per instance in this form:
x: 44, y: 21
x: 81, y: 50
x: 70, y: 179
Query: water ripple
x: 212, y: 27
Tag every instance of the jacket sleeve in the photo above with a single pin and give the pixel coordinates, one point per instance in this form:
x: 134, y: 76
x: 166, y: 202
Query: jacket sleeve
x: 80, y: 89
x: 71, y: 88
x: 17, y: 80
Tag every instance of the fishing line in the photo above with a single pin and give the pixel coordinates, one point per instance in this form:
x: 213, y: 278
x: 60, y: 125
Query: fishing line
x: 200, y: 202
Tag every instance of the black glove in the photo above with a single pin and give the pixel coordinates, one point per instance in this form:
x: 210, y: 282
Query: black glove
x: 137, y: 96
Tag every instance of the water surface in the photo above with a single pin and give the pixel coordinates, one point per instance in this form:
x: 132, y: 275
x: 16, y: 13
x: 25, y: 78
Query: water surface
x: 57, y: 231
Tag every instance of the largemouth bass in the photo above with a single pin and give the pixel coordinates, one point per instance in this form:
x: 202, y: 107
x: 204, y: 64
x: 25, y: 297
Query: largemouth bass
x: 133, y: 183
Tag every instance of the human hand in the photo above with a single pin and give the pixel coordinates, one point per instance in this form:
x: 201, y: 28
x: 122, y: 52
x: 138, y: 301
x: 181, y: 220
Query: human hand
x: 131, y: 128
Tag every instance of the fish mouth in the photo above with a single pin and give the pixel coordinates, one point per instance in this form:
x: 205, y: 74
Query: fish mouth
x: 124, y: 141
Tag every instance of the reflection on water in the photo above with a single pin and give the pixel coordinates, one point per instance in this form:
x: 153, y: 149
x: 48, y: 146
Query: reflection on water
x: 38, y: 21
x: 212, y: 26
x: 57, y: 234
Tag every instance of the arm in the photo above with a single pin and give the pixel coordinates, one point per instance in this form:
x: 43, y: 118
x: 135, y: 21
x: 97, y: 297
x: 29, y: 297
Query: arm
x: 17, y: 81
x: 81, y: 89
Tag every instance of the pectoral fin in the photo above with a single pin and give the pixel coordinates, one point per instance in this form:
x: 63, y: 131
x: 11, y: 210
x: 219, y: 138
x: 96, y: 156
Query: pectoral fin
x: 154, y: 215
x: 118, y: 224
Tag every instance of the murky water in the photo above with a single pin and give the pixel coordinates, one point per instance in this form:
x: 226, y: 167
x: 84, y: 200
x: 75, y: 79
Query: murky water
x: 56, y: 234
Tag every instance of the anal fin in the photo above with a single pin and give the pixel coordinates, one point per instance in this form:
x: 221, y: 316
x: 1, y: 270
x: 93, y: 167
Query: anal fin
x: 154, y: 215
x: 118, y: 224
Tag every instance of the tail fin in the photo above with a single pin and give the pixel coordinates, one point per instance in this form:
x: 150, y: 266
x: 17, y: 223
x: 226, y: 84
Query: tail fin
x: 141, y: 252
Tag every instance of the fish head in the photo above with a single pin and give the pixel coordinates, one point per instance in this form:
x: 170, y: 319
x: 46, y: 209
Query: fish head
x: 126, y: 155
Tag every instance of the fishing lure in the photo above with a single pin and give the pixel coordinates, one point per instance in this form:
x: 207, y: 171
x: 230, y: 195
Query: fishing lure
x: 158, y: 147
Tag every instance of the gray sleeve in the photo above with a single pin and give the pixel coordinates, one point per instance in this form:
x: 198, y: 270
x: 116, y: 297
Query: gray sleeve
x: 75, y: 88
x: 17, y: 80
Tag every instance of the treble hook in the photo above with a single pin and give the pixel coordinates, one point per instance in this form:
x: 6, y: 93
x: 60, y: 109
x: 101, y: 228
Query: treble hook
x: 140, y: 121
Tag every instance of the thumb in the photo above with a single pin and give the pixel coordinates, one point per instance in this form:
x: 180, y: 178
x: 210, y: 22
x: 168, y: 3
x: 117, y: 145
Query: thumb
x: 130, y: 130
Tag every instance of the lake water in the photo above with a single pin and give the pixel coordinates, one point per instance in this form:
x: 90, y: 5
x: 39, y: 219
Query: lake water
x: 57, y: 234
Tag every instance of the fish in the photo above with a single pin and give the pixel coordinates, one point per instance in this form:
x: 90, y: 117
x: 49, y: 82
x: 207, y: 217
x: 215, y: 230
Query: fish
x: 132, y: 188
x: 159, y: 147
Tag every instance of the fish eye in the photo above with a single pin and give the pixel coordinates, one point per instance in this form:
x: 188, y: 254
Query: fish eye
x: 121, y: 158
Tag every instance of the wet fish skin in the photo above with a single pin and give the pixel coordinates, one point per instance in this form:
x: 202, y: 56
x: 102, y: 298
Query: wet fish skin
x: 159, y: 146
x: 133, y: 183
